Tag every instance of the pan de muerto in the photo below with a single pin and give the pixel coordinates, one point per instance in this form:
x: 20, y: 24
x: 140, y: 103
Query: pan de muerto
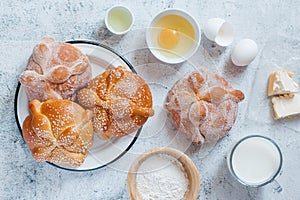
x: 55, y: 70
x: 58, y: 131
x: 121, y: 102
x: 203, y: 106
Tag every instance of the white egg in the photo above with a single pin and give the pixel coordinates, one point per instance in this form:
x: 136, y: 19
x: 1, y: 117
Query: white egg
x: 219, y: 31
x: 244, y: 52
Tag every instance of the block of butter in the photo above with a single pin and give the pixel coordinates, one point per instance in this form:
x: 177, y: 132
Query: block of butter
x: 286, y: 106
x: 281, y: 82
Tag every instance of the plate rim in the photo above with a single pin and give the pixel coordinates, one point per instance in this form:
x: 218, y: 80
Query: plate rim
x: 95, y: 43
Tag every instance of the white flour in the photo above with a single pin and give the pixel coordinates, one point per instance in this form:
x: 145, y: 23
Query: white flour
x: 161, y: 177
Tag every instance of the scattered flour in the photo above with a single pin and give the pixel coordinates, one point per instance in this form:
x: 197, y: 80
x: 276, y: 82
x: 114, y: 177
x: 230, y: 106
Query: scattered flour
x: 161, y: 177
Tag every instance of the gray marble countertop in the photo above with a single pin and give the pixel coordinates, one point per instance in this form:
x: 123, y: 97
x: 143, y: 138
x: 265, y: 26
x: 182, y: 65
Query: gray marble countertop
x: 273, y: 24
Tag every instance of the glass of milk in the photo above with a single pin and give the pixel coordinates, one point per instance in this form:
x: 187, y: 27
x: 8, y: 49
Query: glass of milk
x: 255, y: 161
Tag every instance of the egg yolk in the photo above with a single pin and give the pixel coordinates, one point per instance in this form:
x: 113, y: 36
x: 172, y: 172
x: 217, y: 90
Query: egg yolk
x: 168, y: 38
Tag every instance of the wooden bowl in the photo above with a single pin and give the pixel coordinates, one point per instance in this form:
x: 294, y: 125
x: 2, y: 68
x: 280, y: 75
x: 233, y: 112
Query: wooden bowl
x: 187, y: 164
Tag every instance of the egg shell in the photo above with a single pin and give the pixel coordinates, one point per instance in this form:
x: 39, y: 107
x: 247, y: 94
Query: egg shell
x: 244, y: 52
x: 212, y: 27
x: 219, y: 31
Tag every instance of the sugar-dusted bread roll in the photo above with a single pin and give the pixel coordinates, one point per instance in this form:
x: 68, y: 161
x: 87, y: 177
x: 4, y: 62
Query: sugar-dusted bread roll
x: 58, y: 131
x: 121, y: 102
x: 203, y: 106
x: 55, y: 70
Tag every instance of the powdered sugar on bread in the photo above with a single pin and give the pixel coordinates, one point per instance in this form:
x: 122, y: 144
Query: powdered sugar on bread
x: 55, y: 70
x: 203, y: 106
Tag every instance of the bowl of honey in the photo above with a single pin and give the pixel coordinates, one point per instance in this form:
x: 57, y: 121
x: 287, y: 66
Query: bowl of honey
x: 173, y: 36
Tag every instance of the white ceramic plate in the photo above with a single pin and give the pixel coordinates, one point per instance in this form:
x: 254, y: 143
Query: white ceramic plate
x: 102, y: 153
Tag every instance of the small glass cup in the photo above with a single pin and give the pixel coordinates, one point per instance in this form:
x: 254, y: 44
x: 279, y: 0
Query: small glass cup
x: 246, y: 157
x: 119, y: 20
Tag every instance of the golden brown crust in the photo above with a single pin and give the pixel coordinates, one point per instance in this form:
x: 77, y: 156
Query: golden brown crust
x: 271, y: 81
x: 203, y: 106
x: 121, y: 102
x: 58, y: 131
x: 55, y: 70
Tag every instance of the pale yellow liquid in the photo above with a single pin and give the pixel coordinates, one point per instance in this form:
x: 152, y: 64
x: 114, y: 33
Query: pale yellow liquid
x: 184, y: 30
x: 119, y: 19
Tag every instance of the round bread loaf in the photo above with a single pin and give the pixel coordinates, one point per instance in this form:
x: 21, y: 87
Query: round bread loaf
x: 203, y: 106
x: 58, y: 131
x: 121, y: 102
x: 55, y: 70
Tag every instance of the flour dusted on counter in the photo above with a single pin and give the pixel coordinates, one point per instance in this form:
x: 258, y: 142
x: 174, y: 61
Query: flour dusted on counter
x: 161, y: 177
